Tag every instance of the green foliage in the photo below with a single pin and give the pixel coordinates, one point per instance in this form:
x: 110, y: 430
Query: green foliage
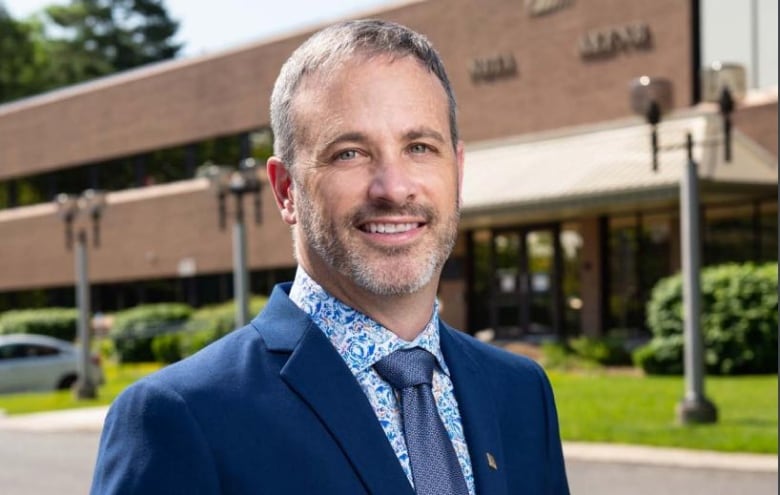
x: 585, y: 353
x: 556, y: 356
x: 104, y: 36
x: 166, y: 348
x: 661, y: 356
x: 23, y: 56
x: 212, y: 322
x: 60, y: 323
x: 105, y: 348
x: 608, y: 351
x: 739, y: 321
x: 134, y: 329
x: 81, y: 40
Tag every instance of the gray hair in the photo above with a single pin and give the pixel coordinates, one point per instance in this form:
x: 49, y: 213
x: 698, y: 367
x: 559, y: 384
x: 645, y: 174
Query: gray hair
x: 328, y: 48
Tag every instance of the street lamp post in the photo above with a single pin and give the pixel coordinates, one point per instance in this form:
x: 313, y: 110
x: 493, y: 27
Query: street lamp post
x: 236, y: 182
x: 92, y: 203
x: 651, y: 97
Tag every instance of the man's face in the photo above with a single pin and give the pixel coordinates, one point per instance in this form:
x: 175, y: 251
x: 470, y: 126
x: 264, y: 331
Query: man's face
x: 376, y: 181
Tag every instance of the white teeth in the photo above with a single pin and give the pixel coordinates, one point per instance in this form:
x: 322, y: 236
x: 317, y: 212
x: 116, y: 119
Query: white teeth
x: 389, y: 228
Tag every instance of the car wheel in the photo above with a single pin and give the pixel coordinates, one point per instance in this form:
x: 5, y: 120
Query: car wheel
x: 66, y: 382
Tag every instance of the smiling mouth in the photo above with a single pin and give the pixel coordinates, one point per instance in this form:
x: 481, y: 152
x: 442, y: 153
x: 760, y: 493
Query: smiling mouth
x: 389, y: 228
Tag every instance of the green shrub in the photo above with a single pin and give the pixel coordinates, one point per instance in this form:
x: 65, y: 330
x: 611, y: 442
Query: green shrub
x: 134, y: 329
x: 661, y: 356
x: 739, y: 321
x: 558, y: 357
x: 608, y: 351
x: 209, y: 323
x: 166, y: 348
x: 105, y: 348
x: 60, y: 323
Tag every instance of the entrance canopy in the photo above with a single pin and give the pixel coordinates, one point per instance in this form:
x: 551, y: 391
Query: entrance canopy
x: 607, y: 168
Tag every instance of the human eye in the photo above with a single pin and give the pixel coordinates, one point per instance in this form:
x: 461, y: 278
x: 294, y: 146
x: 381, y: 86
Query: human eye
x: 419, y: 148
x: 345, y: 155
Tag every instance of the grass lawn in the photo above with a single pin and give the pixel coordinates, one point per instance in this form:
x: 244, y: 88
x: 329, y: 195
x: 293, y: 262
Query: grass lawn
x: 593, y: 407
x: 118, y: 377
x: 602, y: 407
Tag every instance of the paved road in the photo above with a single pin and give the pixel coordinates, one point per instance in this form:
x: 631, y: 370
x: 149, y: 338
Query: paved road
x: 35, y: 463
x: 600, y: 478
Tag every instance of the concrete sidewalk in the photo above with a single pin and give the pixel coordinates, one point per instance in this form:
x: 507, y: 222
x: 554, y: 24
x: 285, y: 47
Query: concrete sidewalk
x: 91, y: 420
x: 68, y: 420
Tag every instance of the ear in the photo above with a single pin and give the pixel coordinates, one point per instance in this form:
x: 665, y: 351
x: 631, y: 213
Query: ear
x: 282, y: 186
x: 459, y: 155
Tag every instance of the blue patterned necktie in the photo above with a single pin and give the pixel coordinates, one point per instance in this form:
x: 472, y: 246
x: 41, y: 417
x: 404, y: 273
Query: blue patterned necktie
x: 435, y: 467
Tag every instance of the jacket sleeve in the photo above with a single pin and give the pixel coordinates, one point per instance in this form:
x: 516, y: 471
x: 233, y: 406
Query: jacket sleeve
x: 152, y: 444
x: 557, y: 482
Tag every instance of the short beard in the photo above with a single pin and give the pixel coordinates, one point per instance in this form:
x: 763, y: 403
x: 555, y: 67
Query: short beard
x: 323, y: 237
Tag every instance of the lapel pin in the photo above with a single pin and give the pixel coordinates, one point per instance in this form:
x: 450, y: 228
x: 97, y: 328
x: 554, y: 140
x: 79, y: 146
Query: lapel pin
x: 491, y: 461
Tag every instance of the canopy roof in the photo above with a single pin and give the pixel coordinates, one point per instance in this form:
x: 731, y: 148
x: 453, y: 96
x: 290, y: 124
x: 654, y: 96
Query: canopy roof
x: 608, y: 168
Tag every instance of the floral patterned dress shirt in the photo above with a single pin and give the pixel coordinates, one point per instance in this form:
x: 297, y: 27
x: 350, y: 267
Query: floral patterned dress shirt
x: 362, y: 342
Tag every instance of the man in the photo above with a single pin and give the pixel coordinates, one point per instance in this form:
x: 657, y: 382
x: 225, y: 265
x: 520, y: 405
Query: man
x: 310, y: 397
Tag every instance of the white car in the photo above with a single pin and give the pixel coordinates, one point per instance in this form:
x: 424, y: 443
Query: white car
x: 37, y: 362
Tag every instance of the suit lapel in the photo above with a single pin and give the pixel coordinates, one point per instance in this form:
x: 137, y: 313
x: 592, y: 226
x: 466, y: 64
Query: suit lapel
x: 478, y: 414
x: 317, y: 373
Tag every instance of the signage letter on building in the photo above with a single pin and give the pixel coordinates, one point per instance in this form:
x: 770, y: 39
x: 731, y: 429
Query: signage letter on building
x: 611, y: 41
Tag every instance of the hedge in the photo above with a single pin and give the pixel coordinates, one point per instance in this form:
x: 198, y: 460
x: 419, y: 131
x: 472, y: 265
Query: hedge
x: 212, y: 322
x: 61, y: 323
x: 738, y: 323
x: 135, y: 328
x: 204, y: 326
x: 607, y: 351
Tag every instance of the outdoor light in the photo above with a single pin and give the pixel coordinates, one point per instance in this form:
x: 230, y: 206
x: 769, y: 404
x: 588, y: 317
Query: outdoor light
x: 236, y: 182
x: 651, y: 98
x: 67, y: 207
x: 724, y: 83
x: 92, y: 203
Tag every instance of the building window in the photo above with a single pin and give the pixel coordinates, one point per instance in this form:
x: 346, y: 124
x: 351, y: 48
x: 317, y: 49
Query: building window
x: 740, y: 233
x: 640, y: 250
x: 571, y: 247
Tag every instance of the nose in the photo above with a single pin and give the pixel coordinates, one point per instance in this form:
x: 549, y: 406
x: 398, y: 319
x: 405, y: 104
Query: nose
x: 393, y: 182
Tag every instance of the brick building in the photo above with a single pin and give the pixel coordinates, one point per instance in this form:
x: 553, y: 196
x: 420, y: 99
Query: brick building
x: 565, y: 227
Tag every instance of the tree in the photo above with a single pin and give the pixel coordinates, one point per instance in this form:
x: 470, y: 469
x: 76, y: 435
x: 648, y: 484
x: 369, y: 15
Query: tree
x: 91, y: 38
x: 79, y: 41
x: 22, y: 58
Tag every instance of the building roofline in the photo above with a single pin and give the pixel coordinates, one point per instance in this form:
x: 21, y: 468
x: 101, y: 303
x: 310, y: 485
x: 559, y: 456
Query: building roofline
x: 164, y: 66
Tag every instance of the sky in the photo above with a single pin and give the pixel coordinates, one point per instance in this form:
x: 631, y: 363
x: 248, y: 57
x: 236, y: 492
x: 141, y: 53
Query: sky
x: 208, y: 27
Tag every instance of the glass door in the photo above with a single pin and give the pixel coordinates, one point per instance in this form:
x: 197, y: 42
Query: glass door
x: 507, y: 287
x: 524, y: 290
x: 542, y: 280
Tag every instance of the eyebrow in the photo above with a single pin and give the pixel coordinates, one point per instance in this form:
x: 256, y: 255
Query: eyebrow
x: 424, y: 132
x: 347, y: 136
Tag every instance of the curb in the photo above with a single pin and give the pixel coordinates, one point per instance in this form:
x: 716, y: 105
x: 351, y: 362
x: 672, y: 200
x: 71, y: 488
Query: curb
x: 670, y: 457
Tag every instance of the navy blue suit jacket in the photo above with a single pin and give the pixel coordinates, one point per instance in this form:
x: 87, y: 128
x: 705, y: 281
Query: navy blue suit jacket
x: 273, y: 409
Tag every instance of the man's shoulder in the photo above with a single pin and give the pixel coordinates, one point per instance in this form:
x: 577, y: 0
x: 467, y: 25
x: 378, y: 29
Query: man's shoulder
x: 221, y: 362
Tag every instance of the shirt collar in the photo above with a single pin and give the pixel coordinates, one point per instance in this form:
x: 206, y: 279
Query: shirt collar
x: 359, y: 340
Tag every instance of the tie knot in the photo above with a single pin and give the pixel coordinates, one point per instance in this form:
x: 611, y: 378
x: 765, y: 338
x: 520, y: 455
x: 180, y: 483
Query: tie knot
x: 407, y: 368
